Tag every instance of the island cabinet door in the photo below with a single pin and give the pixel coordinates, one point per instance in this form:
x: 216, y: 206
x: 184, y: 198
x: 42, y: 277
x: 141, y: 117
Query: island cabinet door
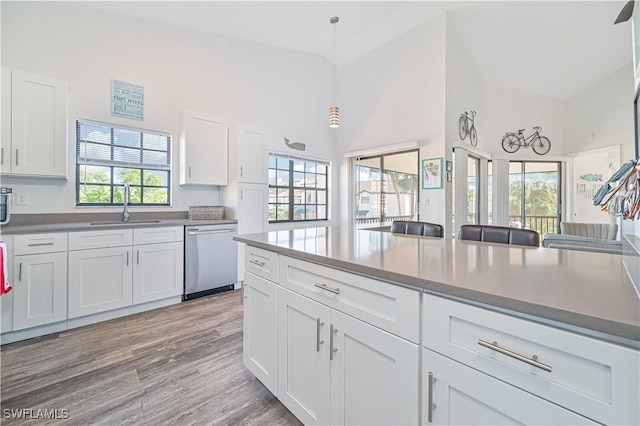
x: 454, y: 394
x: 260, y: 325
x: 374, y: 375
x: 303, y: 357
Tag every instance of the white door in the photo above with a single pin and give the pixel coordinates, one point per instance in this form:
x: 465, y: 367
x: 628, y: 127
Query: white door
x: 38, y: 125
x: 463, y: 396
x: 99, y: 280
x: 374, y: 375
x: 39, y: 289
x: 303, y: 357
x: 252, y: 156
x: 260, y: 326
x: 204, y: 150
x: 158, y: 271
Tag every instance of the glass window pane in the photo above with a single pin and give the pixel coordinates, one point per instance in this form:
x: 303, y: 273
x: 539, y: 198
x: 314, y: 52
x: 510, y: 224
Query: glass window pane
x: 283, y: 163
x: 272, y: 177
x: 311, y: 213
x: 126, y: 137
x: 321, y: 181
x: 272, y: 212
x: 126, y: 154
x: 283, y: 212
x: 155, y: 195
x: 94, y: 174
x: 322, y: 212
x: 298, y: 165
x: 298, y: 179
x: 472, y: 190
x: 155, y: 157
x: 321, y: 169
x: 272, y: 162
x: 151, y: 141
x: 283, y: 196
x: 95, y: 133
x: 298, y: 196
x: 94, y: 194
x: 321, y: 197
x: 283, y: 178
x: 155, y: 178
x: 92, y: 151
x: 130, y: 176
x: 310, y: 167
x: 310, y: 180
x: 298, y: 212
x: 310, y: 197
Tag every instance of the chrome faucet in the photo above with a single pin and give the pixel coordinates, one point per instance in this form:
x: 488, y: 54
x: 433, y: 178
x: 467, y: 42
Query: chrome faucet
x: 125, y: 202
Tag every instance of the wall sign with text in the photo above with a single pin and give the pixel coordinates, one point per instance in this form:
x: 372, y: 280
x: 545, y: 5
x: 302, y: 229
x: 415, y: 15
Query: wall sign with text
x: 127, y: 100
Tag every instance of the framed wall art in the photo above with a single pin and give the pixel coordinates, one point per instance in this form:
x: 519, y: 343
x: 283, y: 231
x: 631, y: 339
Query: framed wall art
x: 432, y: 173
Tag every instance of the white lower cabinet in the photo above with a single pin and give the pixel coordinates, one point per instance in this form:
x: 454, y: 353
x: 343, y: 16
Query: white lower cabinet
x: 460, y: 395
x: 122, y: 274
x: 158, y: 271
x: 303, y: 357
x: 39, y: 289
x: 99, y: 280
x: 260, y: 329
x: 336, y: 369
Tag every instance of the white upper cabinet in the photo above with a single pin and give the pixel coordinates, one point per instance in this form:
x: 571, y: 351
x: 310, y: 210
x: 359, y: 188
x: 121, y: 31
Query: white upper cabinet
x: 204, y: 150
x: 252, y: 156
x: 34, y: 125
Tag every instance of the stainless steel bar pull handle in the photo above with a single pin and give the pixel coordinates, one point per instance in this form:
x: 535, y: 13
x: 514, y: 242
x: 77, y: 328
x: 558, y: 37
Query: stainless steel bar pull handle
x: 40, y: 244
x: 127, y: 257
x: 332, y: 350
x: 325, y: 287
x: 1, y: 155
x: 20, y: 272
x: 241, y: 171
x: 137, y: 257
x: 257, y: 262
x: 531, y: 361
x: 430, y: 405
x: 220, y: 231
x: 318, y: 341
x: 189, y: 171
x: 17, y: 151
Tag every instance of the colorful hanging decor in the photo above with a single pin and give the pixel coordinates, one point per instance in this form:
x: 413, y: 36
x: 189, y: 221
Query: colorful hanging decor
x: 620, y: 196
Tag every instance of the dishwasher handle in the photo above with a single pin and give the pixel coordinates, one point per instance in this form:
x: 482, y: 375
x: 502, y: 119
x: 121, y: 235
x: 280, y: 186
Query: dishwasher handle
x: 217, y: 231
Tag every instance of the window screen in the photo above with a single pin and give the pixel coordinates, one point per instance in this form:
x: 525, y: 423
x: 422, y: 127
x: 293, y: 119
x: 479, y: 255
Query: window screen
x: 108, y: 157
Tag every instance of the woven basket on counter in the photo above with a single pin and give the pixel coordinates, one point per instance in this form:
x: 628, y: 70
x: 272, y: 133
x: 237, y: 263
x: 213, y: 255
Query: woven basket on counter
x: 206, y: 212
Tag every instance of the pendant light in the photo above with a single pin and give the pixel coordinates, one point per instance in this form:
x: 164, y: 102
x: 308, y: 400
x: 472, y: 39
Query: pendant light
x: 334, y: 111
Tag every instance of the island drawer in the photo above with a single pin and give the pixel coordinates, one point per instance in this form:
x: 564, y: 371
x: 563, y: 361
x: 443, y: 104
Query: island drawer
x: 167, y: 234
x: 39, y: 243
x: 597, y: 379
x: 100, y: 239
x: 387, y: 306
x: 263, y: 263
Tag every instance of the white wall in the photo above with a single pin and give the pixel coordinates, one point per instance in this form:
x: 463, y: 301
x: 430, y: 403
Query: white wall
x: 283, y: 92
x: 512, y: 110
x: 394, y: 94
x: 465, y: 92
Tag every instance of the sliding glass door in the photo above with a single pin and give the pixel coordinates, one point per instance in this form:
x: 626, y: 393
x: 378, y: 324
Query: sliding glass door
x: 386, y: 188
x: 534, y: 196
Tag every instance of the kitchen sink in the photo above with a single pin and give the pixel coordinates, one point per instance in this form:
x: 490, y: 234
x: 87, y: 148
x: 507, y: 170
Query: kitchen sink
x: 121, y: 222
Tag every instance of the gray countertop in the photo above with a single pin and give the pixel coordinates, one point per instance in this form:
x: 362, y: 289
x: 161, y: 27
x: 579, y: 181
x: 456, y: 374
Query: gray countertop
x: 591, y: 291
x: 83, y: 222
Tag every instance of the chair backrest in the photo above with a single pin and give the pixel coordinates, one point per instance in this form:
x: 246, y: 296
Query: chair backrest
x: 603, y: 231
x: 425, y: 229
x: 499, y: 234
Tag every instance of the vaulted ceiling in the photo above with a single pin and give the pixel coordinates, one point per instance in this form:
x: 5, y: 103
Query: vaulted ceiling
x: 550, y: 48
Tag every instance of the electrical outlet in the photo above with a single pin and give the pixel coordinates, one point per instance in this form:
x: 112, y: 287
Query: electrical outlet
x: 22, y: 199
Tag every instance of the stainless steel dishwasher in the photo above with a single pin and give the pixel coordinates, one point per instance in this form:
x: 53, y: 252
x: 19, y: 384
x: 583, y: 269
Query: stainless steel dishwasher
x: 211, y: 259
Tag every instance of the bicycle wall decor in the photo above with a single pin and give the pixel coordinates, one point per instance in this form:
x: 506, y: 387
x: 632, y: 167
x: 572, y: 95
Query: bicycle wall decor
x: 466, y: 126
x: 512, y: 141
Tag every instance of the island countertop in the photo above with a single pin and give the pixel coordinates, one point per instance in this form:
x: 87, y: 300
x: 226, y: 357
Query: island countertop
x: 591, y: 291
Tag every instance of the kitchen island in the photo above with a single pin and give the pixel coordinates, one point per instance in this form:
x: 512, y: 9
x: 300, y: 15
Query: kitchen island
x: 557, y: 330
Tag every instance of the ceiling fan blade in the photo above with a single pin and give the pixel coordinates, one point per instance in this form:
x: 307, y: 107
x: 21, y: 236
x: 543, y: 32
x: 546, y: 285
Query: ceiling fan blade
x: 625, y: 13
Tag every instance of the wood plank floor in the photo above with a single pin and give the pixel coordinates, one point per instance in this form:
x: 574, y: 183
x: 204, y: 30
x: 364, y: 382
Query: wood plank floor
x: 176, y: 365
